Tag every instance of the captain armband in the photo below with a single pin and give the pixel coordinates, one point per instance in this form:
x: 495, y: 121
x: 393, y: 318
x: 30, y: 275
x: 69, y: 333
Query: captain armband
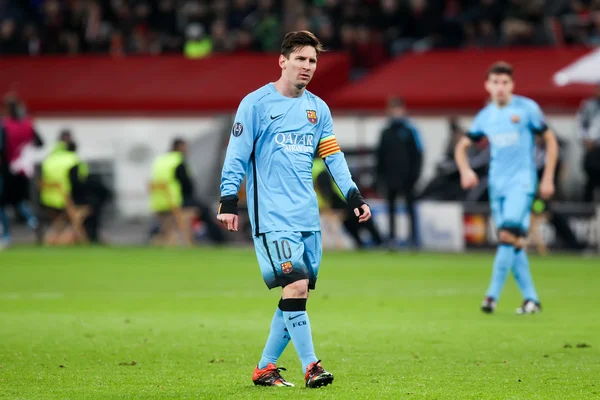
x: 328, y: 146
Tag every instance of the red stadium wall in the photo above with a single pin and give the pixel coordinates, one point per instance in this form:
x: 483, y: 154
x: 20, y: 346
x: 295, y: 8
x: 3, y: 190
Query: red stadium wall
x: 453, y: 80
x: 434, y: 81
x: 151, y: 84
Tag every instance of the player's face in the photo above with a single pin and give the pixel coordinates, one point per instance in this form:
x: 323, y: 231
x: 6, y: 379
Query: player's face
x: 299, y: 68
x: 500, y: 87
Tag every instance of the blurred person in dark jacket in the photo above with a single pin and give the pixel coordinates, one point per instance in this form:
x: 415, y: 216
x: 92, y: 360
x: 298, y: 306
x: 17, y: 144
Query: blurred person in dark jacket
x: 588, y: 121
x: 399, y: 163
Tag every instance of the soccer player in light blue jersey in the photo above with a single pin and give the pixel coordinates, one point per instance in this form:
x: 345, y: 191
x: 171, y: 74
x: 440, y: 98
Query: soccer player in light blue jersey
x: 509, y: 123
x: 277, y: 132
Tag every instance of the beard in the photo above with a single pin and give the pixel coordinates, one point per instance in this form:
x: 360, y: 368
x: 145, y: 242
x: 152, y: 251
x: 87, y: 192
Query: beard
x: 300, y: 86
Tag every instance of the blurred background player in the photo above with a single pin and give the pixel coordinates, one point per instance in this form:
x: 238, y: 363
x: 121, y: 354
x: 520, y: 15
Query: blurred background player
x: 17, y: 165
x: 510, y: 123
x: 399, y: 162
x: 278, y: 129
x: 332, y: 202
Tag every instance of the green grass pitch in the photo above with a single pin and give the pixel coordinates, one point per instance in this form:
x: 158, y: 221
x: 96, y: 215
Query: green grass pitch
x: 135, y: 323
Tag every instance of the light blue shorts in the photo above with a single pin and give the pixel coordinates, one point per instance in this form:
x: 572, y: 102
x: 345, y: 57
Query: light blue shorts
x: 512, y: 211
x: 286, y: 257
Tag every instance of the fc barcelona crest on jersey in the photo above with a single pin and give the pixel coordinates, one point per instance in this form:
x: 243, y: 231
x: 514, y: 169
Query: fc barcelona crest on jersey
x: 312, y: 116
x: 515, y: 118
x: 286, y: 267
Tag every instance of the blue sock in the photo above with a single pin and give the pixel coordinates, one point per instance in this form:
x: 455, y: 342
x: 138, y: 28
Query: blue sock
x: 523, y: 276
x: 505, y: 257
x: 277, y: 341
x: 4, y: 222
x: 27, y: 212
x: 298, y: 325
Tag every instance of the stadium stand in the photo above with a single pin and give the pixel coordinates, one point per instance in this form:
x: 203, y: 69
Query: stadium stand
x: 370, y: 30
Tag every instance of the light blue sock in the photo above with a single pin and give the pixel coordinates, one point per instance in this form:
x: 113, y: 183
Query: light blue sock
x: 277, y: 341
x: 523, y: 276
x: 27, y: 212
x: 4, y: 222
x: 505, y: 257
x: 298, y: 327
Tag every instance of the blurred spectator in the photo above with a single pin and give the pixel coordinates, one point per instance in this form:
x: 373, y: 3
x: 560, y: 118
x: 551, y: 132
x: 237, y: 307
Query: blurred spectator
x: 367, y: 29
x: 369, y: 51
x: 265, y: 26
x: 221, y: 39
x: 387, y: 20
x: 244, y: 42
x: 487, y: 35
x: 399, y: 162
x: 197, y: 45
x: 588, y: 119
x: 524, y: 23
x: 172, y: 169
x: 330, y: 39
x: 17, y: 137
x: 68, y: 203
x: 594, y: 30
x: 239, y: 12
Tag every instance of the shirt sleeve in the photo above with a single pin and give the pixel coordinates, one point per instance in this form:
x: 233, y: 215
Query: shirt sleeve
x: 476, y: 132
x: 240, y: 147
x: 537, y: 121
x: 333, y: 157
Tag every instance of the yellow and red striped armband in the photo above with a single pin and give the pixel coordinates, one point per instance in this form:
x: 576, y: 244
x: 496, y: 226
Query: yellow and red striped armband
x: 328, y: 146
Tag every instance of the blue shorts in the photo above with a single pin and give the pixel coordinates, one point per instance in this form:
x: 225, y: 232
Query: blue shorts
x: 286, y: 257
x: 512, y: 211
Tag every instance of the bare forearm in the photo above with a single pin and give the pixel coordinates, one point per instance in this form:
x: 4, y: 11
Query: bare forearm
x: 551, y: 155
x: 460, y: 154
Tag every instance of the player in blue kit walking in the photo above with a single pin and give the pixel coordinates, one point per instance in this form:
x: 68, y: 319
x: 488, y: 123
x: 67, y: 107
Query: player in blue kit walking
x: 277, y: 132
x: 509, y: 122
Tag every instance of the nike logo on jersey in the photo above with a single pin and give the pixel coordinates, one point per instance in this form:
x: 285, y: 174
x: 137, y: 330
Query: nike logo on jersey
x: 295, y: 316
x: 277, y: 116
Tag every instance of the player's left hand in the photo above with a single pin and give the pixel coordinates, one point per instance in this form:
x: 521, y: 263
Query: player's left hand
x: 363, y: 213
x: 546, y: 189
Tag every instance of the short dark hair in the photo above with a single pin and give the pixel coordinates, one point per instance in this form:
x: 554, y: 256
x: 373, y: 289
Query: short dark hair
x: 177, y: 142
x: 298, y: 39
x: 65, y: 135
x: 12, y: 103
x: 500, y: 68
x: 396, y: 102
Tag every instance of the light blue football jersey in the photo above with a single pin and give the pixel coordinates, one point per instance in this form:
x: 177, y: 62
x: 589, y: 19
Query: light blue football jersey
x: 510, y: 130
x: 273, y: 142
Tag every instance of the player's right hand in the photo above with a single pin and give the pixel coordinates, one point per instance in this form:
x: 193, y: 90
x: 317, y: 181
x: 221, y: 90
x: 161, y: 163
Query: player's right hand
x: 468, y: 179
x: 229, y: 220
